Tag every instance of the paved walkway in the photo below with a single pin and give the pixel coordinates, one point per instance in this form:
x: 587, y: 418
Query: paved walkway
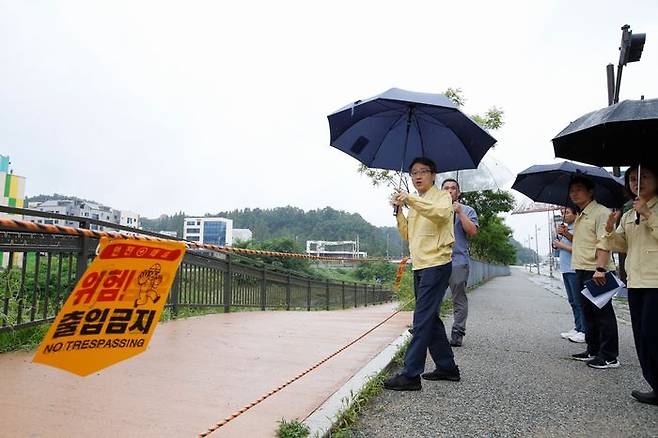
x: 196, y: 372
x: 517, y: 378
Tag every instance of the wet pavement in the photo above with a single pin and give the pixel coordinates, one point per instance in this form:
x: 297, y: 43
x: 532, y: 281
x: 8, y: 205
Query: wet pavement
x: 517, y: 377
x: 196, y: 372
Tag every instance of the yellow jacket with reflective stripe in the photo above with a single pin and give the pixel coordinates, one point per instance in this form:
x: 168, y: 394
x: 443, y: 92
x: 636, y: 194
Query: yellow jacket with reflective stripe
x: 429, y: 228
x: 640, y: 243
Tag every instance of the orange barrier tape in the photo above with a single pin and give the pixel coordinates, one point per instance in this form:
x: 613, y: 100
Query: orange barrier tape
x: 15, y: 224
x: 400, y: 273
x: 265, y: 396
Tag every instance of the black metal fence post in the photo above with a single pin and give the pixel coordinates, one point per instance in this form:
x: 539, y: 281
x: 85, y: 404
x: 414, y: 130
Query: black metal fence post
x: 365, y: 294
x: 342, y: 295
x: 263, y: 289
x: 327, y: 296
x: 355, y: 295
x: 83, y: 253
x: 175, y: 292
x: 288, y: 293
x: 228, y: 292
x: 308, y: 296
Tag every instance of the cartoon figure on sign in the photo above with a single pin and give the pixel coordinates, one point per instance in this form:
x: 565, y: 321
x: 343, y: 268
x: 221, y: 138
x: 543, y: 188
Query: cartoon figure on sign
x: 148, y: 282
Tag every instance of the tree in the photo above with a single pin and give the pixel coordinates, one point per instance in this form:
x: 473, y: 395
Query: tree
x: 491, y: 243
x: 377, y: 270
x: 281, y: 244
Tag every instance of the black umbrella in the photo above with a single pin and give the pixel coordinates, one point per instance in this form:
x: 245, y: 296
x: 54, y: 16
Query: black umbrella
x: 622, y: 134
x: 550, y: 183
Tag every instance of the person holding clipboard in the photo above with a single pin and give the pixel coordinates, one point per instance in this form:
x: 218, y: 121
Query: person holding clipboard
x: 601, y: 334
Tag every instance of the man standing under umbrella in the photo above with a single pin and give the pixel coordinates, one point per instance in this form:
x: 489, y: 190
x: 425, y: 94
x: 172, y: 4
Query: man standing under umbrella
x: 429, y: 230
x: 466, y: 225
x: 640, y: 242
x: 601, y: 334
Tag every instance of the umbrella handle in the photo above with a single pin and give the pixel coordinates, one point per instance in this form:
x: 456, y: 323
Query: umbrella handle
x: 396, y: 208
x: 637, y: 215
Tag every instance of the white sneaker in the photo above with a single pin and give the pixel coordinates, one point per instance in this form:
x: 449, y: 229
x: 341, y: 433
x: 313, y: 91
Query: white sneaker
x: 578, y: 338
x: 569, y: 334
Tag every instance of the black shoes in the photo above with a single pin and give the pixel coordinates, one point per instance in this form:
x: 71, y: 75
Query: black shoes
x: 602, y: 364
x: 584, y: 356
x: 403, y: 383
x: 441, y: 374
x: 650, y: 398
x: 456, y: 342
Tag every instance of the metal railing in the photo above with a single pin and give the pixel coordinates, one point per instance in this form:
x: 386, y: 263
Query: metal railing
x: 39, y: 271
x: 481, y: 271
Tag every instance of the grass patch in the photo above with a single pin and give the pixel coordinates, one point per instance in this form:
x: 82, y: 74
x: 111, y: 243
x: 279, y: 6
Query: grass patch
x: 292, y: 429
x: 24, y: 339
x: 343, y: 427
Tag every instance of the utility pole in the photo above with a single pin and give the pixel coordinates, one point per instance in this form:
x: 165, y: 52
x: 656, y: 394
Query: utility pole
x: 537, y: 248
x: 550, y: 244
x: 529, y: 240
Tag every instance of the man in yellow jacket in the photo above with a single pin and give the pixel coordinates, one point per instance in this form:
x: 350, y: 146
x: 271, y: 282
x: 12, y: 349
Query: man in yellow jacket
x: 429, y: 230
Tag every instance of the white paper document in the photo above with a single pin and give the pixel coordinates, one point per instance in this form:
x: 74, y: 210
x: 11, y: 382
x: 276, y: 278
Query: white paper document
x: 601, y: 300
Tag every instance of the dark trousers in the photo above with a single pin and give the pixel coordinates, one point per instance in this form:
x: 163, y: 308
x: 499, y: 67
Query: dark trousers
x: 430, y: 285
x: 601, y: 336
x: 643, y: 304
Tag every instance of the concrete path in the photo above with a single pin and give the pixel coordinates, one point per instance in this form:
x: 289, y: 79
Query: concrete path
x: 196, y: 372
x: 517, y: 378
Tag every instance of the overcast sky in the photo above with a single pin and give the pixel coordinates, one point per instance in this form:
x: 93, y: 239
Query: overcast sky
x: 160, y: 106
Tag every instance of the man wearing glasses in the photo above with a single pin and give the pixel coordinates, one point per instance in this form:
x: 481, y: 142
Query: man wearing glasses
x: 429, y: 231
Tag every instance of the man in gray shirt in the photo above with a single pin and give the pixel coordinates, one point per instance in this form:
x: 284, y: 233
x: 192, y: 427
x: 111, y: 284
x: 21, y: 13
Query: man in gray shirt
x: 466, y: 225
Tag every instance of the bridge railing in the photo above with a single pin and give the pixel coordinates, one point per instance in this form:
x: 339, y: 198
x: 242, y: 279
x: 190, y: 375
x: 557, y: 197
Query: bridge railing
x: 38, y: 271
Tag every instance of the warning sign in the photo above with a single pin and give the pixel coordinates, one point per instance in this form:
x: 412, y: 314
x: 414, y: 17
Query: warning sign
x: 112, y: 312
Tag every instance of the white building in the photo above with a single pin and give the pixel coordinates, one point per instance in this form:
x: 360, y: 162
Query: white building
x: 73, y: 207
x: 343, y: 248
x: 126, y: 218
x: 208, y: 230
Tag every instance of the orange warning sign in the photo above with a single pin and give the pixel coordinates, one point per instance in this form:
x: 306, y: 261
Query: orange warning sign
x: 112, y: 312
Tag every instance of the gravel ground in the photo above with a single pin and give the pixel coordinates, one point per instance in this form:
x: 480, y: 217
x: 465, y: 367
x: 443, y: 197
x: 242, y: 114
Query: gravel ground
x: 517, y: 378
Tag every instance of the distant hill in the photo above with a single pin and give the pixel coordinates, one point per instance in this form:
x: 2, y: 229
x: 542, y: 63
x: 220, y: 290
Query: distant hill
x: 523, y: 255
x: 43, y: 198
x: 300, y: 225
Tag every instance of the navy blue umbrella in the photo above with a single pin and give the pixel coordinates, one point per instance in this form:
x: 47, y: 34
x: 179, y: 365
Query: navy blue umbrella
x: 389, y: 130
x: 550, y: 183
